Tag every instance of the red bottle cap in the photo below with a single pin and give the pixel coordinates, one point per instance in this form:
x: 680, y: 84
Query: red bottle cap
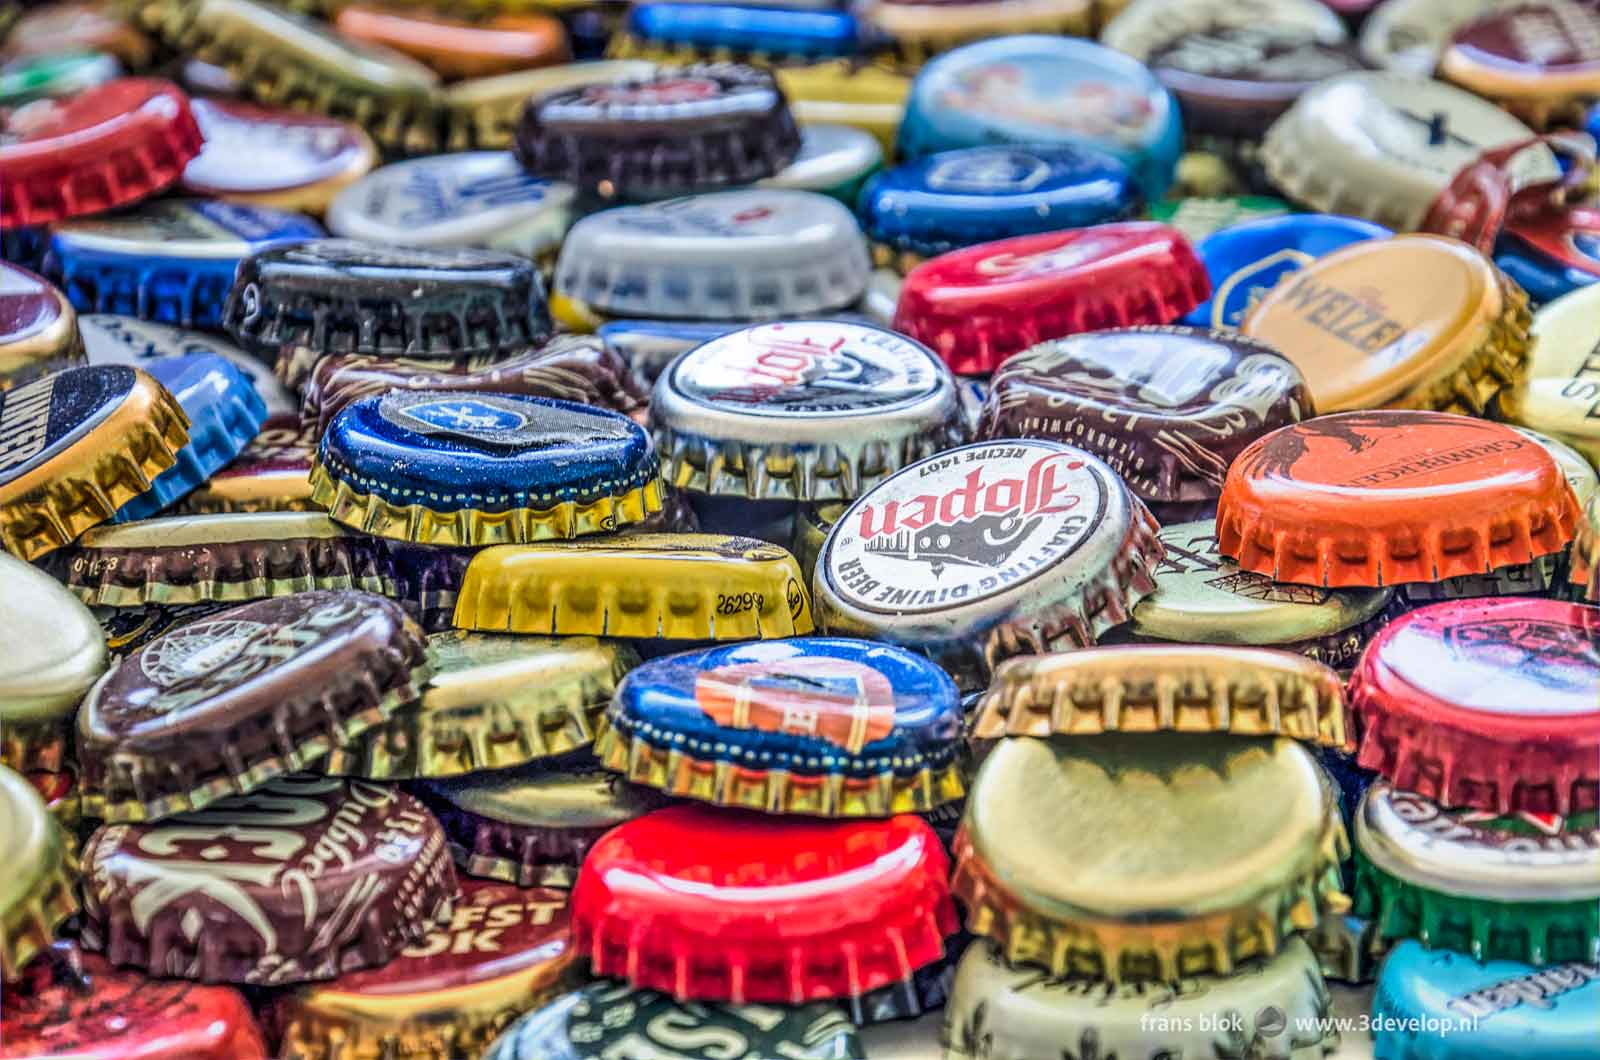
x: 1392, y: 496
x: 105, y: 147
x: 1491, y: 704
x: 718, y: 905
x: 979, y: 305
x: 108, y: 1013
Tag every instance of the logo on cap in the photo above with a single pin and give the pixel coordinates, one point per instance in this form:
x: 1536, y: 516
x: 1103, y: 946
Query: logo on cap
x: 837, y: 700
x: 988, y: 170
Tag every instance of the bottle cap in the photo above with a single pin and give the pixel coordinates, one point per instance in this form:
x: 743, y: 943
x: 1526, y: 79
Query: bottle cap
x: 70, y: 28
x: 1246, y: 260
x: 76, y: 446
x: 33, y: 77
x: 646, y: 586
x: 803, y: 410
x: 919, y: 29
x: 1520, y: 888
x: 1540, y: 60
x: 494, y: 702
x: 344, y: 296
x: 979, y: 305
x: 1046, y: 90
x: 1151, y: 688
x: 1388, y: 497
x: 92, y: 1010
x: 225, y: 413
x: 986, y: 551
x: 1407, y: 36
x: 1202, y: 597
x: 1383, y: 146
x: 1584, y: 571
x: 801, y: 909
x: 174, y: 726
x: 502, y: 951
x: 289, y: 60
x: 865, y: 96
x: 38, y: 328
x: 954, y: 199
x: 821, y: 726
x: 834, y: 160
x: 455, y: 48
x: 1233, y: 66
x: 681, y: 129
x: 1007, y: 1012
x: 473, y: 199
x: 38, y: 890
x: 1198, y: 217
x: 105, y: 147
x: 171, y: 260
x: 281, y: 159
x: 535, y: 825
x: 754, y: 254
x: 1552, y: 253
x: 1464, y: 1009
x: 1363, y: 338
x: 482, y: 469
x: 1560, y: 394
x: 677, y: 32
x: 481, y: 113
x: 572, y: 368
x: 191, y: 559
x: 309, y: 878
x: 608, y: 1016
x: 1486, y: 703
x: 1167, y: 408
x: 271, y: 474
x: 1240, y: 847
x: 112, y: 339
x: 44, y: 675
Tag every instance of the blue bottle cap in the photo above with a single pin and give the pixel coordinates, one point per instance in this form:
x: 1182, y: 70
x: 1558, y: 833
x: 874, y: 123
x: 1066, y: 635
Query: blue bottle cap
x: 112, y: 339
x: 1046, y: 90
x: 1246, y: 260
x: 225, y: 413
x: 957, y: 198
x: 481, y: 469
x: 790, y: 716
x: 1437, y: 1005
x: 171, y: 260
x: 747, y: 30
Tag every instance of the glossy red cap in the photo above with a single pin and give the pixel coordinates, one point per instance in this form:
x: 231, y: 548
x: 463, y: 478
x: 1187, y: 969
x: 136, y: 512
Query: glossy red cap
x: 114, y: 1014
x: 1492, y: 704
x: 709, y: 904
x: 105, y: 147
x: 979, y: 305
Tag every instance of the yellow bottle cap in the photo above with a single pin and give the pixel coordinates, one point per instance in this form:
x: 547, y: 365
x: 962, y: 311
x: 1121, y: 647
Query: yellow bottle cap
x: 494, y: 702
x: 647, y: 586
x: 1561, y: 394
x: 1150, y: 688
x: 842, y: 92
x: 76, y: 446
x: 1540, y: 61
x: 45, y: 674
x: 1366, y: 334
x: 1239, y: 845
x: 918, y: 31
x: 37, y: 892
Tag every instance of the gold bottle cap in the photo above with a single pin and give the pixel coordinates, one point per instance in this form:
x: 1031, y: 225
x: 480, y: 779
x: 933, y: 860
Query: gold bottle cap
x: 37, y: 892
x: 482, y: 113
x: 38, y: 328
x: 647, y: 586
x: 1366, y: 335
x: 1202, y: 597
x: 1561, y: 393
x: 1166, y: 687
x: 193, y: 559
x: 494, y: 702
x: 76, y: 446
x: 1540, y: 61
x: 1240, y: 842
x: 288, y: 60
x: 863, y: 96
x: 45, y: 673
x: 918, y: 31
